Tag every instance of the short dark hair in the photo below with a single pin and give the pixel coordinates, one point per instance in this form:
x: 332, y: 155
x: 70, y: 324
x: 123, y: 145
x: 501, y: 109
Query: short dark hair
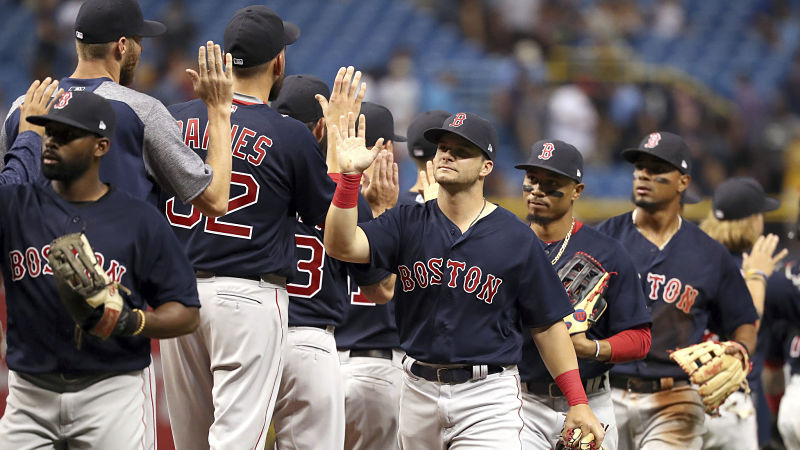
x: 250, y: 72
x: 89, y: 52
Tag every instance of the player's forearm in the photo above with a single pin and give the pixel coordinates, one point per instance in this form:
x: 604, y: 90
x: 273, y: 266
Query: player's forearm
x: 382, y: 291
x: 213, y: 202
x: 746, y: 335
x: 757, y: 289
x: 555, y: 348
x: 172, y: 319
x: 341, y: 229
x: 23, y: 159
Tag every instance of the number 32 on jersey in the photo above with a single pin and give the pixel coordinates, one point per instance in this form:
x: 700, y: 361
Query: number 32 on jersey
x: 213, y: 224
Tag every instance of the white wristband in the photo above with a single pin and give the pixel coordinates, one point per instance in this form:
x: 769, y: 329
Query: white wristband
x: 597, y: 348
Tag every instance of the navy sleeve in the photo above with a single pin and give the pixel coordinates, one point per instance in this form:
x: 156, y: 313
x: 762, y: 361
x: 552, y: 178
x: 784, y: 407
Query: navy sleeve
x: 541, y: 295
x: 23, y: 160
x: 627, y: 305
x: 365, y: 274
x: 312, y: 185
x: 733, y: 303
x: 166, y: 273
x: 12, y: 127
x: 384, y: 234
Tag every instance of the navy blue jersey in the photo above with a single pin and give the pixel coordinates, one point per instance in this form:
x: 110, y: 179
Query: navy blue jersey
x: 320, y: 289
x: 277, y: 173
x: 133, y: 244
x: 782, y: 316
x: 409, y: 198
x: 146, y: 149
x: 627, y: 307
x: 692, y: 284
x: 465, y: 298
x: 23, y: 160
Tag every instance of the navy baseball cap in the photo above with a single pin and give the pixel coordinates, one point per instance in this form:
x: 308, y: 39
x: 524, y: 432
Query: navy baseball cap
x: 740, y: 197
x: 418, y: 146
x: 380, y: 124
x: 256, y: 34
x: 101, y: 21
x: 296, y: 98
x: 472, y: 127
x: 556, y: 156
x: 81, y: 109
x: 665, y: 146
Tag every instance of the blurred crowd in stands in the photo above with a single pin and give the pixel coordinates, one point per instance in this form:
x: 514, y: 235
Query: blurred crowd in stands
x: 600, y: 108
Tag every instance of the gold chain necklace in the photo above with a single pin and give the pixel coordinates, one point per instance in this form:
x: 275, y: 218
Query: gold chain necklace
x: 564, y: 245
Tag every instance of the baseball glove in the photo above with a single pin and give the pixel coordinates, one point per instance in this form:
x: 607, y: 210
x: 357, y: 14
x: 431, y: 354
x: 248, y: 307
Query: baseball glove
x: 92, y: 300
x: 575, y: 441
x: 585, y: 281
x: 718, y: 373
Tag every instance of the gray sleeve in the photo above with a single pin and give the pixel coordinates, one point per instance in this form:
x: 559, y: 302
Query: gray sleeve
x: 4, y: 138
x: 174, y: 165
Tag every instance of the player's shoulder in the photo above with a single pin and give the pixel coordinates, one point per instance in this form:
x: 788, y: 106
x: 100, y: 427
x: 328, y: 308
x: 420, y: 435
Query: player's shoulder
x: 691, y: 235
x: 614, y: 226
x: 599, y: 240
x: 141, y: 103
x: 510, y: 227
x: 188, y: 107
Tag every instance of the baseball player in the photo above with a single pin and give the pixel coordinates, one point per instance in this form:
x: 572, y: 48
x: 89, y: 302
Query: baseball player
x: 736, y: 220
x: 148, y: 147
x: 462, y: 298
x: 691, y: 282
x: 421, y: 151
x: 311, y: 410
x: 553, y: 182
x: 222, y: 381
x: 100, y: 394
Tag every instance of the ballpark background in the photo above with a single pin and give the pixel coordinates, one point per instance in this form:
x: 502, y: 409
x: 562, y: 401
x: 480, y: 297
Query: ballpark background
x: 600, y: 74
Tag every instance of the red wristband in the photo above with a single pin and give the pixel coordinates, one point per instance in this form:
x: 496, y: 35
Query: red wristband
x: 774, y: 402
x: 346, y: 195
x: 334, y: 176
x: 571, y: 386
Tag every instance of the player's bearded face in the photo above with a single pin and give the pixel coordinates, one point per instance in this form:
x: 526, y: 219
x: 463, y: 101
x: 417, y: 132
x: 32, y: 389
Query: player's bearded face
x: 457, y: 162
x: 655, y: 182
x: 276, y: 87
x: 129, y: 62
x: 67, y: 153
x: 548, y: 196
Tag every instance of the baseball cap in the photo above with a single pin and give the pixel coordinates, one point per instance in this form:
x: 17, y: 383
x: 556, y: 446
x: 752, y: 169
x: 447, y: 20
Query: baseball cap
x: 739, y: 197
x: 556, y: 156
x: 418, y: 146
x: 296, y: 98
x: 380, y: 124
x: 665, y: 146
x: 101, y: 21
x: 472, y: 127
x: 81, y: 109
x: 256, y: 34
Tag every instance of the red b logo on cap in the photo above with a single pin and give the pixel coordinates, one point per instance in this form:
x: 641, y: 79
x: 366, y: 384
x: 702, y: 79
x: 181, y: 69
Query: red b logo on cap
x: 63, y: 100
x: 547, y: 151
x: 653, y: 140
x: 458, y: 120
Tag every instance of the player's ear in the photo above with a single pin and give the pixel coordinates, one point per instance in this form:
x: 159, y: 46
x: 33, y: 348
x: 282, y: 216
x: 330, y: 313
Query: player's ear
x: 280, y: 64
x: 319, y: 129
x: 578, y: 191
x: 101, y: 147
x: 487, y: 167
x: 683, y: 182
x: 121, y: 47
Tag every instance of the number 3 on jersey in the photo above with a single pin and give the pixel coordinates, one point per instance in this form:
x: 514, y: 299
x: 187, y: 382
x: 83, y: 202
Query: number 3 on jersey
x: 311, y: 266
x: 213, y: 224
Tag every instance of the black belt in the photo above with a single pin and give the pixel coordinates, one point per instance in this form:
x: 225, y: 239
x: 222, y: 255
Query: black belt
x: 377, y: 353
x: 265, y: 277
x: 646, y: 385
x: 548, y: 389
x: 449, y: 375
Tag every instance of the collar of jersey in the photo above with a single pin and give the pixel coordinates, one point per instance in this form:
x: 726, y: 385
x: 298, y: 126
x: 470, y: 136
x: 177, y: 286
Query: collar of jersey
x: 578, y: 225
x: 242, y: 99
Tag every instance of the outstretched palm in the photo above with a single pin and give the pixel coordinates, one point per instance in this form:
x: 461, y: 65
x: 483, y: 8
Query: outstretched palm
x: 351, y: 149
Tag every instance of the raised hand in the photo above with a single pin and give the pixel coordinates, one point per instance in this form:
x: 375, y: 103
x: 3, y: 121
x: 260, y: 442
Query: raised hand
x: 430, y: 188
x: 212, y: 83
x: 762, y: 257
x: 381, y: 191
x: 346, y: 97
x: 353, y: 156
x: 38, y: 100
